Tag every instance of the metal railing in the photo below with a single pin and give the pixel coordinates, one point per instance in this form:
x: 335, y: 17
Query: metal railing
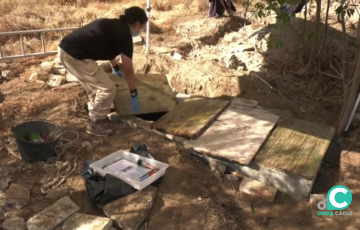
x: 41, y: 32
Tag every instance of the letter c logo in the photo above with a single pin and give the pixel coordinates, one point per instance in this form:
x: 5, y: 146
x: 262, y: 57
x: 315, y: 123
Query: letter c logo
x: 339, y: 197
x: 332, y: 197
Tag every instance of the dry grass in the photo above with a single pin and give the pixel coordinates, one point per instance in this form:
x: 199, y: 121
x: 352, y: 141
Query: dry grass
x: 16, y: 15
x: 163, y: 5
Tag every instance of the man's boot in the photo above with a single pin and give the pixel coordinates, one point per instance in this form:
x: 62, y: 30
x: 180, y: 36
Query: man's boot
x: 98, y: 128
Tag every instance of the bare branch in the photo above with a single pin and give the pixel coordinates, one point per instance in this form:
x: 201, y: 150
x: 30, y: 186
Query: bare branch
x: 330, y: 75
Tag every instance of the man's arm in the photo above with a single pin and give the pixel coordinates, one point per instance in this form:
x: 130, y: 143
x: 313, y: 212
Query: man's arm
x: 128, y: 69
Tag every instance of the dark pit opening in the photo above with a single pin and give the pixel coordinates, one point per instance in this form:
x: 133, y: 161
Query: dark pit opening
x: 151, y: 116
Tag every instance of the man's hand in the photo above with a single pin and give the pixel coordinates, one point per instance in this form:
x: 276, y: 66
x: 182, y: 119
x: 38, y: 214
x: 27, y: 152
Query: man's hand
x: 134, y: 101
x: 116, y: 70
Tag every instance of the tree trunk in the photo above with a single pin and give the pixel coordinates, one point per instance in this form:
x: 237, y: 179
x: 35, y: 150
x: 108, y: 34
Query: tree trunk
x: 350, y: 103
x: 317, y: 33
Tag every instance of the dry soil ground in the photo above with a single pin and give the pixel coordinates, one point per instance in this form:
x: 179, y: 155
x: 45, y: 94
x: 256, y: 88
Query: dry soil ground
x: 190, y: 197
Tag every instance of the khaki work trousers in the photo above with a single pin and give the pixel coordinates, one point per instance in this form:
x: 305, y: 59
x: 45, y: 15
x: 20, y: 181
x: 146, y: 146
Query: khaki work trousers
x: 100, y: 88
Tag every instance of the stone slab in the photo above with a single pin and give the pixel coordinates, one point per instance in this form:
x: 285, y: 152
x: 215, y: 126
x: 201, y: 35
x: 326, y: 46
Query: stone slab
x: 80, y: 221
x: 155, y: 94
x: 14, y: 223
x: 57, y: 193
x: 258, y: 188
x: 237, y: 134
x: 53, y: 216
x: 130, y: 211
x: 17, y: 195
x: 190, y: 118
x: 55, y: 80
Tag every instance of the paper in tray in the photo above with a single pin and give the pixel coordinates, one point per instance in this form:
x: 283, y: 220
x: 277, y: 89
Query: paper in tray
x: 126, y: 168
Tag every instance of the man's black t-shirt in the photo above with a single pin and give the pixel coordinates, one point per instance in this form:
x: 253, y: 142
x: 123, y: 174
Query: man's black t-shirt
x: 102, y: 39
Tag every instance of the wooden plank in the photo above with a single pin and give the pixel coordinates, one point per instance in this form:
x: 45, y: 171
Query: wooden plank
x: 305, y: 150
x: 279, y: 145
x: 292, y: 145
x: 317, y: 155
x: 270, y: 142
x: 297, y: 138
x: 237, y: 134
x: 191, y: 117
x: 154, y: 94
x: 258, y: 188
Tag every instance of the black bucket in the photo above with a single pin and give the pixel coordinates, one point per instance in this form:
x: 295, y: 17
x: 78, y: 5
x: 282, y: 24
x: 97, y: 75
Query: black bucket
x: 36, y: 151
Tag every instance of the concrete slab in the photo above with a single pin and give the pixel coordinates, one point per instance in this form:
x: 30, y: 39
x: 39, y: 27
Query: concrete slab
x: 155, y: 94
x: 258, y: 188
x: 237, y: 134
x: 53, y: 216
x: 80, y: 221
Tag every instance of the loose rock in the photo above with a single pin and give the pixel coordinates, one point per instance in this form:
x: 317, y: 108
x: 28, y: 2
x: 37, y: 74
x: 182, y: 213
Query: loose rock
x: 232, y: 62
x: 55, y: 80
x: 39, y: 76
x: 15, y: 223
x: 57, y: 193
x: 17, y: 196
x: 53, y: 216
x: 130, y: 211
x: 90, y: 147
x: 80, y: 221
x: 8, y: 74
x: 177, y: 56
x: 246, y: 47
x: 231, y: 178
x: 85, y: 144
x: 3, y: 65
x: 46, y: 66
x: 4, y: 184
x: 70, y: 77
x: 59, y: 69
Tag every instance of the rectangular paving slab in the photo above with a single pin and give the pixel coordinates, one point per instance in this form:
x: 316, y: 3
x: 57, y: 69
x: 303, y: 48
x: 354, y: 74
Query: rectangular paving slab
x: 237, y: 134
x: 53, y: 216
x: 191, y: 117
x: 296, y: 147
x: 80, y: 221
x: 154, y: 94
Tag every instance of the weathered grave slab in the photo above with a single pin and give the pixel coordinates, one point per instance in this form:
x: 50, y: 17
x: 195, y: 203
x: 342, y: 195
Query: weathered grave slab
x: 191, y: 117
x: 154, y: 94
x: 237, y: 134
x: 265, y: 169
x: 130, y: 211
x: 53, y: 216
x: 296, y: 147
x: 258, y: 188
x: 80, y: 221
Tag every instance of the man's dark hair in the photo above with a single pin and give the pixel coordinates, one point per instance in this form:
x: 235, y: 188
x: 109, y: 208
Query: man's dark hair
x: 134, y: 14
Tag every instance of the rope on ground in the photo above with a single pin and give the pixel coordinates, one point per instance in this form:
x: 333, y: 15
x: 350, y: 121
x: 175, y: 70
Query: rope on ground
x: 64, y: 169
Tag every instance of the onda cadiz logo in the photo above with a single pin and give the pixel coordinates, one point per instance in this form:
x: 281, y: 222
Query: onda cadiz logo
x: 339, y: 198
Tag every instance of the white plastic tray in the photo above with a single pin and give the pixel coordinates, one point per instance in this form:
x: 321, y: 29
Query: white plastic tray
x: 121, y: 154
